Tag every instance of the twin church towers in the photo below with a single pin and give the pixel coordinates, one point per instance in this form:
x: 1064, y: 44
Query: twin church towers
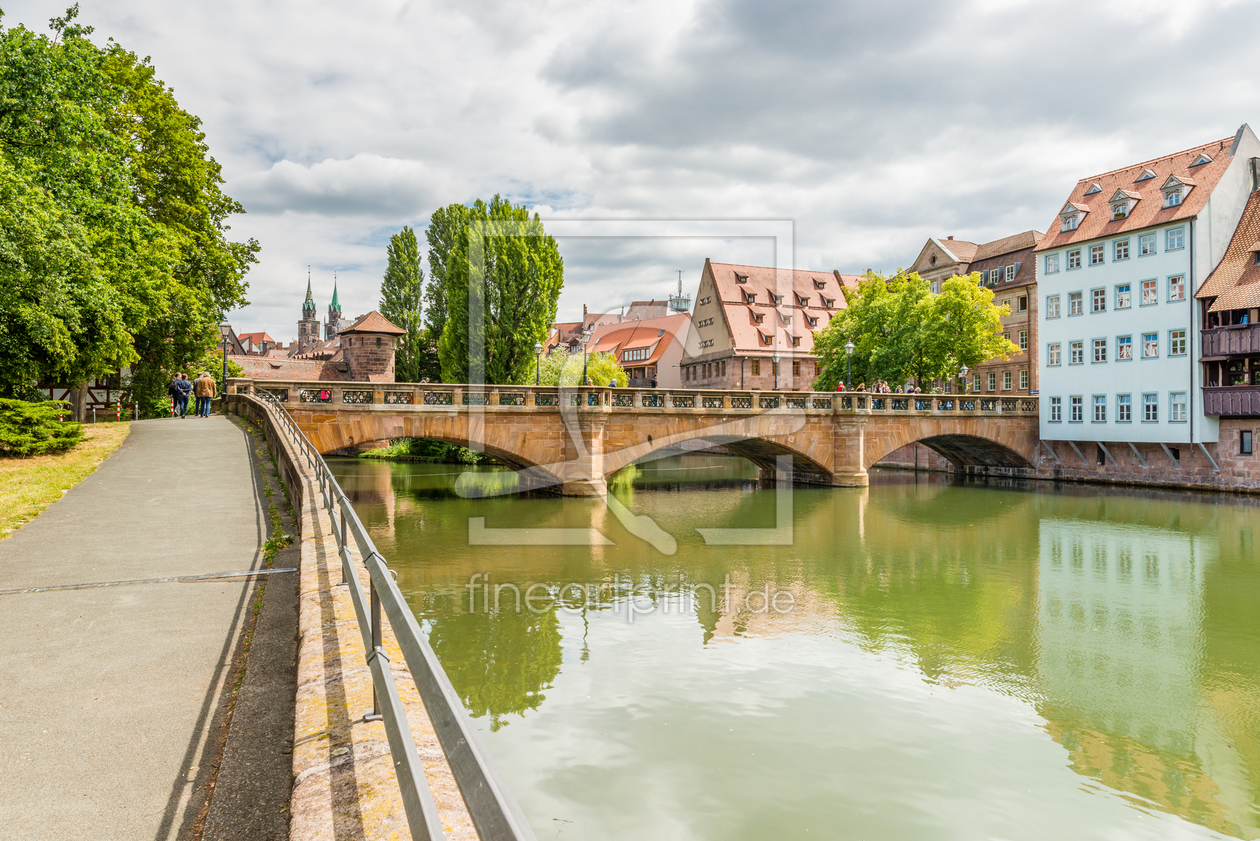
x: 308, y: 326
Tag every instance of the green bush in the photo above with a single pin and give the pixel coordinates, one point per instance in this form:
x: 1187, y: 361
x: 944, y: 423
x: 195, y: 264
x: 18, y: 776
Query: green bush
x: 35, y: 429
x: 429, y: 450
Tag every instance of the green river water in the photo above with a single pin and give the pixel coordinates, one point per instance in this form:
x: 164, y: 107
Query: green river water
x: 915, y: 660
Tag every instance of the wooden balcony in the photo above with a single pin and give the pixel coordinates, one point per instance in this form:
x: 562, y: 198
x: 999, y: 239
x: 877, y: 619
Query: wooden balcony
x: 1239, y: 401
x: 1236, y: 340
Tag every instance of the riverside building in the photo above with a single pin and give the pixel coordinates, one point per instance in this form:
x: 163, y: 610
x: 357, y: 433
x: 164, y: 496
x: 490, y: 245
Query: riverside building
x: 1120, y: 370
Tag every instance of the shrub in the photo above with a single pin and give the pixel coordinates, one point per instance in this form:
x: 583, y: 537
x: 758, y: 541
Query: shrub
x: 35, y: 429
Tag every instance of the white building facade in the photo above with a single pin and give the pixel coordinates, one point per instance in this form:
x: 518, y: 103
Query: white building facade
x: 1117, y: 323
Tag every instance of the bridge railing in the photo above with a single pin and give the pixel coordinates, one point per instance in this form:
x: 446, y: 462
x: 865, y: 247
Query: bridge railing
x: 447, y: 397
x: 494, y: 812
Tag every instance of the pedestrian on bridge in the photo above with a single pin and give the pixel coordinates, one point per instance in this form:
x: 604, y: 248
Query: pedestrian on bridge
x: 185, y: 388
x: 205, y: 393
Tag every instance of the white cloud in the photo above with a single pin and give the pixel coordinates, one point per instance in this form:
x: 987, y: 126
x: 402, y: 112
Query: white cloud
x: 872, y: 126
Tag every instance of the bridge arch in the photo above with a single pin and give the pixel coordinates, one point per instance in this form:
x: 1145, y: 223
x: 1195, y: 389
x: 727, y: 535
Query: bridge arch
x: 966, y: 442
x: 529, y: 451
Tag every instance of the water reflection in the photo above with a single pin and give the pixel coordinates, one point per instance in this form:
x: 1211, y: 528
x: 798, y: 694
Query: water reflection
x: 957, y: 661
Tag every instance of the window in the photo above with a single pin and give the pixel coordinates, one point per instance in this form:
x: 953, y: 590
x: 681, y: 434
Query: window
x: 1177, y: 407
x: 1010, y: 273
x: 1006, y: 302
x: 1078, y: 410
x: 1121, y: 249
x: 992, y: 381
x: 936, y: 287
x: 994, y: 274
x: 1124, y: 347
x: 1177, y: 287
x: 1096, y: 255
x: 1052, y: 264
x: 1007, y: 335
x: 776, y: 299
x: 1077, y: 353
x: 1150, y: 408
x: 1006, y: 380
x: 796, y: 367
x: 1070, y: 222
x: 1244, y: 442
x: 1021, y: 303
x: 1074, y: 258
x: 1146, y: 245
x: 741, y: 278
x: 796, y: 341
x: 1075, y: 305
x: 1100, y: 408
x: 975, y: 382
x: 1176, y: 342
x: 1176, y: 239
x: 1124, y: 296
x: 828, y: 303
x: 1172, y: 198
x: 1150, y: 345
x: 1023, y: 340
x: 1054, y: 354
x: 758, y: 317
x: 1052, y: 306
x: 1023, y: 380
x: 1100, y: 350
x: 756, y: 367
x: 1056, y: 409
x: 1150, y: 294
x: 1124, y: 408
x: 1098, y: 300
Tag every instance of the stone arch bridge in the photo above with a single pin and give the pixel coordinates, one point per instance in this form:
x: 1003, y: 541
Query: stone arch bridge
x: 574, y: 439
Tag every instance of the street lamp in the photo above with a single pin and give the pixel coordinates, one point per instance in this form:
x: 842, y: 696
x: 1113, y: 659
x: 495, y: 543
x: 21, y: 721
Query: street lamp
x: 537, y: 362
x: 586, y: 337
x: 963, y: 373
x: 848, y: 375
x: 225, y: 332
x: 776, y: 370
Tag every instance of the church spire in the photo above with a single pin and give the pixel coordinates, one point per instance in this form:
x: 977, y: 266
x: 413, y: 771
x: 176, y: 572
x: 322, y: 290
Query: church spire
x: 309, y: 304
x: 334, y: 306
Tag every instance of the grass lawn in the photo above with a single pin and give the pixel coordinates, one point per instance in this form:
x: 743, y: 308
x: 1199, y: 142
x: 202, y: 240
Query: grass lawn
x: 29, y: 485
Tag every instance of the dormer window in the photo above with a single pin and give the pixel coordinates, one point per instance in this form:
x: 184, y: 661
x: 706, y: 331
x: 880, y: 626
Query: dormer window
x: 1094, y: 188
x: 1175, y: 190
x: 1071, y: 215
x: 828, y: 303
x: 787, y: 319
x: 741, y: 278
x: 750, y: 297
x: 1147, y: 175
x: 820, y: 284
x: 796, y: 341
x: 1201, y: 160
x: 766, y: 338
x: 758, y: 317
x: 776, y: 299
x: 1122, y: 203
x: 812, y: 321
x: 801, y: 301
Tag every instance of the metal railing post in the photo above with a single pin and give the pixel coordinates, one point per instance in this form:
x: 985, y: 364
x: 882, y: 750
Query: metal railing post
x: 377, y: 650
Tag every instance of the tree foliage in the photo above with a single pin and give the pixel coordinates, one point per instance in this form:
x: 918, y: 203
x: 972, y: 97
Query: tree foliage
x: 501, y: 277
x: 36, y: 429
x: 561, y: 368
x: 901, y: 331
x: 402, y: 300
x: 113, y: 234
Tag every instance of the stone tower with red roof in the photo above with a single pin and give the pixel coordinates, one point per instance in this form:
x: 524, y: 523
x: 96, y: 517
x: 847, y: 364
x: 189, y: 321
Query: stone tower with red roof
x: 368, y: 348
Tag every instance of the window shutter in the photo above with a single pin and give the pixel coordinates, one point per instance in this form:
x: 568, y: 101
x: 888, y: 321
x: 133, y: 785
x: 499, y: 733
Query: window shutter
x: 1017, y: 265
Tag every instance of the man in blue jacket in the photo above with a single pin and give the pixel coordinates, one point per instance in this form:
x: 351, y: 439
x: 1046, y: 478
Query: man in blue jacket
x: 185, y: 388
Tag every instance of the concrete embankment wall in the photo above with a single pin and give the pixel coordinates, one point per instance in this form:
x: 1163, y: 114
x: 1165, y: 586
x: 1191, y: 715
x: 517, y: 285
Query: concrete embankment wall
x: 344, y: 786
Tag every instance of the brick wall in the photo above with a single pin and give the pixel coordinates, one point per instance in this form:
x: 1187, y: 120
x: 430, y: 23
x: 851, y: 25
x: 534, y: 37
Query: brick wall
x: 364, y: 356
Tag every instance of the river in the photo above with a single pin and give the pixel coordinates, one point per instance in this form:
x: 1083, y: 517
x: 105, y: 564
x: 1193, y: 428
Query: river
x: 914, y: 660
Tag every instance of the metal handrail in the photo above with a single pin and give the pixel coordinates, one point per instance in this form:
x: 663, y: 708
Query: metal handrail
x: 493, y: 810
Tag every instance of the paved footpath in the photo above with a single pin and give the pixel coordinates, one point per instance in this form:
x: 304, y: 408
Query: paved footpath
x: 109, y: 695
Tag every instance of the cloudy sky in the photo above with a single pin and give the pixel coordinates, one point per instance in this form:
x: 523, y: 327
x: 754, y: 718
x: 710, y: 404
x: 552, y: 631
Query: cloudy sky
x: 870, y: 126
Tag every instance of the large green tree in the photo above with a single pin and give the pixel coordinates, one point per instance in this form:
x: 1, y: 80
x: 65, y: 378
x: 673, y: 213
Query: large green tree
x: 502, y: 278
x: 402, y: 301
x: 113, y: 235
x: 901, y: 331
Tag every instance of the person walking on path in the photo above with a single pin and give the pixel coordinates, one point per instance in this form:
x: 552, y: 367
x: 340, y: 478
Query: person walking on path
x: 185, y: 388
x: 205, y: 393
x: 172, y: 389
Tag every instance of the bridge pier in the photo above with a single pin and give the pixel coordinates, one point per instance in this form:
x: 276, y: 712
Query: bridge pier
x: 584, y: 457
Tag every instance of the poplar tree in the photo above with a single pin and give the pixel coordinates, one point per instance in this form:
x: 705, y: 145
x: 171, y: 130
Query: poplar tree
x: 402, y: 302
x: 502, y: 279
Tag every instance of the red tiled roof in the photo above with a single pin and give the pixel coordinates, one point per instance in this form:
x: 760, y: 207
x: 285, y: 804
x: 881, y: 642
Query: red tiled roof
x: 1149, y: 209
x: 656, y: 333
x: 1235, y: 282
x: 374, y: 322
x: 963, y: 251
x: 749, y: 335
x: 256, y: 338
x: 300, y: 370
x: 1005, y: 245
